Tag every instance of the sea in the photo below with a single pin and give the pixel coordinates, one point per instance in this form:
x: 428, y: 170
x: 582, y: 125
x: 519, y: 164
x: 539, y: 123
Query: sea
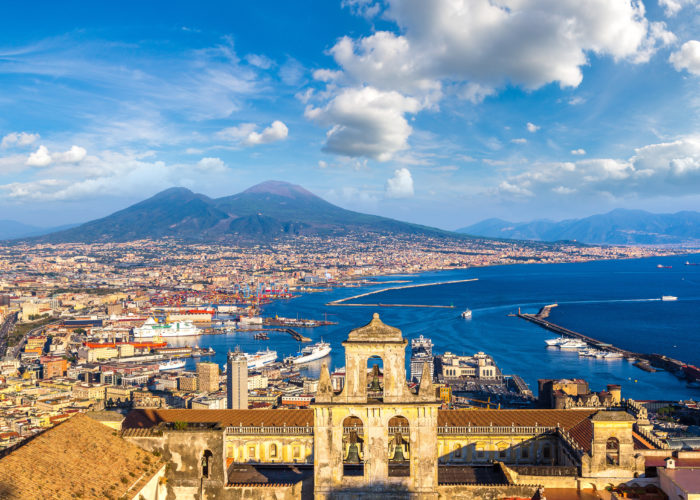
x: 615, y: 301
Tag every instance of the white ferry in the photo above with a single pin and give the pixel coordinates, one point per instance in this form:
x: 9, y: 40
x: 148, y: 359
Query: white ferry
x: 310, y: 353
x: 260, y: 358
x: 668, y: 298
x: 467, y: 314
x: 555, y: 342
x: 573, y: 344
x: 172, y: 364
x: 151, y: 328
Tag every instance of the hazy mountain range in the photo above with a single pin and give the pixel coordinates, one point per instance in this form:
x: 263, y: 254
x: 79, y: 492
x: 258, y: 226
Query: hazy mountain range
x: 619, y: 227
x: 270, y: 210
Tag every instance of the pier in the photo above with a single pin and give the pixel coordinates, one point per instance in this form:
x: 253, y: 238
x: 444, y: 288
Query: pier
x: 645, y: 362
x: 295, y: 335
x: 344, y: 302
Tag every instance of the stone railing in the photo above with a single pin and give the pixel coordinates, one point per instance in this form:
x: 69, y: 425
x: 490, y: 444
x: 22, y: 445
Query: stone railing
x: 491, y: 429
x: 269, y: 430
x: 358, y: 429
x: 402, y: 430
x: 573, y: 445
x: 652, y: 438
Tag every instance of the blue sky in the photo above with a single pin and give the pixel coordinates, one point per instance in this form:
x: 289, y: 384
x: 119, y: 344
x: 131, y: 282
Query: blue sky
x: 443, y: 112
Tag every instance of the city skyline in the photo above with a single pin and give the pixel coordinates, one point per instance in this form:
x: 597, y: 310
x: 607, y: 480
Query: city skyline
x: 444, y: 117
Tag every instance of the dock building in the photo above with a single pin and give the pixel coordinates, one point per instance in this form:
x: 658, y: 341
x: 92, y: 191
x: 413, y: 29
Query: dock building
x: 479, y: 366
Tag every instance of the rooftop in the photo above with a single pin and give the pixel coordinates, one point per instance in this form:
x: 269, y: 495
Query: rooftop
x: 375, y: 331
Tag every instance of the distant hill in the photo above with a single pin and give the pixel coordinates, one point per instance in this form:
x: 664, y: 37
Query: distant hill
x: 270, y: 210
x: 10, y: 230
x: 619, y: 227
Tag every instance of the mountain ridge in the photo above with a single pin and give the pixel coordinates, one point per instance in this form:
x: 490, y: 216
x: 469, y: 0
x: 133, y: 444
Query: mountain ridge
x: 617, y: 227
x: 264, y: 212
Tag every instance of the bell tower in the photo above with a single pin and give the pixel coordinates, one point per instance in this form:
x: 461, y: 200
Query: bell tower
x: 376, y: 436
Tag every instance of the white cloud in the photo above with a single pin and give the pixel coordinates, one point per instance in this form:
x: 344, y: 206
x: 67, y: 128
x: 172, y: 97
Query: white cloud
x: 42, y: 158
x: 688, y: 57
x: 211, y: 165
x: 322, y: 164
x: 364, y: 8
x: 18, y: 139
x: 365, y: 122
x: 259, y: 61
x: 519, y: 140
x: 672, y: 7
x: 246, y: 134
x: 400, y: 185
x: 531, y: 127
x: 664, y: 169
x: 577, y: 100
x: 579, y: 151
x: 39, y: 158
x: 492, y: 43
x: 277, y: 131
x: 74, y: 155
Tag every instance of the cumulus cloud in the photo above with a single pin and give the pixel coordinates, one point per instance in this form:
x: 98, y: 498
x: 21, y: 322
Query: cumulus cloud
x: 18, y: 139
x: 364, y: 8
x: 400, y: 185
x: 579, y: 151
x: 524, y: 42
x: 42, y: 158
x: 39, y: 158
x: 211, y: 165
x: 688, y: 57
x: 531, y: 127
x: 365, y: 122
x: 246, y: 134
x: 664, y: 169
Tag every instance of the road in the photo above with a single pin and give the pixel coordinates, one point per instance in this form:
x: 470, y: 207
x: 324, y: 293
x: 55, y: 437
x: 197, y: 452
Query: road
x: 5, y: 329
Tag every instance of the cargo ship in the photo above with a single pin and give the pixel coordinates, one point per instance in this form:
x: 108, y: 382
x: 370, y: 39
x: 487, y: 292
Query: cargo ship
x: 260, y: 358
x: 310, y: 353
x: 151, y: 328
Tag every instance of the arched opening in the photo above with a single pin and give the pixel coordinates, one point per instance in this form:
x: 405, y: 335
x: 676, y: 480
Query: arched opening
x: 353, y: 447
x: 399, y: 447
x: 206, y: 463
x: 273, y: 451
x: 375, y: 378
x: 612, y: 451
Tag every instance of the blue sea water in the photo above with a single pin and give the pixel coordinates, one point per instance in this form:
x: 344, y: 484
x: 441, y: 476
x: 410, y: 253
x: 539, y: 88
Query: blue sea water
x: 614, y: 301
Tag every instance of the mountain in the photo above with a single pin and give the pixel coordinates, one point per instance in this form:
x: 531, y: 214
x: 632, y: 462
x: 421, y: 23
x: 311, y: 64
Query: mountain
x: 619, y: 227
x: 10, y: 229
x: 267, y: 211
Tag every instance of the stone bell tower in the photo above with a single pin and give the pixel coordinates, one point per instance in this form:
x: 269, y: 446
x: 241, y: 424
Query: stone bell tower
x: 375, y: 437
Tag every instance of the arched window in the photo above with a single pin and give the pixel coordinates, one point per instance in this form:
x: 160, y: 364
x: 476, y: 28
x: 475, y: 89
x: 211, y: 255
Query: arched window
x: 273, y: 451
x: 206, y: 463
x: 375, y: 378
x: 353, y: 446
x: 458, y: 451
x: 612, y: 451
x: 399, y: 447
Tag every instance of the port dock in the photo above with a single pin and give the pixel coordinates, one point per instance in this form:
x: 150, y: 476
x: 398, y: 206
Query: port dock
x: 646, y: 362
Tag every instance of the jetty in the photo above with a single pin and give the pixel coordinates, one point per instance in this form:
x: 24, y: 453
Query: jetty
x: 643, y: 361
x: 346, y: 301
x: 295, y: 335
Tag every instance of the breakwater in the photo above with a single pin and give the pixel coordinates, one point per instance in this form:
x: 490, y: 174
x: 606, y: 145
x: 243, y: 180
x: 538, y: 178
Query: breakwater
x: 345, y: 301
x: 642, y: 361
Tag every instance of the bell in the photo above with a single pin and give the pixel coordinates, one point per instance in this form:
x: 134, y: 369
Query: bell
x: 374, y: 386
x: 353, y: 455
x: 398, y: 454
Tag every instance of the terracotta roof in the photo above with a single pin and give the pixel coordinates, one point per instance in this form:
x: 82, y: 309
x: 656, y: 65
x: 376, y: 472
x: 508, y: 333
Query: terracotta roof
x: 582, y: 433
x: 79, y: 457
x: 145, y: 418
x: 566, y: 419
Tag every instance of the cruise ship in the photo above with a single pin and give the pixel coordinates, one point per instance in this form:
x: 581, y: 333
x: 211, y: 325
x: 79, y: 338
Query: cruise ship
x: 573, y: 344
x: 172, y: 364
x: 310, y: 353
x: 260, y: 358
x: 555, y: 342
x: 151, y: 328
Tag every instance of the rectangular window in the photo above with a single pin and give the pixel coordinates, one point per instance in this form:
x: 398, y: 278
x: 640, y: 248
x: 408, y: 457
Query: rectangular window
x: 524, y: 453
x: 251, y: 452
x: 458, y: 451
x: 502, y: 454
x: 296, y: 452
x: 480, y: 453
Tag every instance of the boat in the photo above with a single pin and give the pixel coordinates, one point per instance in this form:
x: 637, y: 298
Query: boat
x: 613, y: 355
x: 261, y: 336
x: 310, y: 353
x: 172, y: 364
x: 668, y: 298
x: 260, y: 358
x: 573, y: 344
x: 467, y: 314
x: 661, y: 266
x: 152, y: 328
x: 688, y: 263
x: 555, y: 342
